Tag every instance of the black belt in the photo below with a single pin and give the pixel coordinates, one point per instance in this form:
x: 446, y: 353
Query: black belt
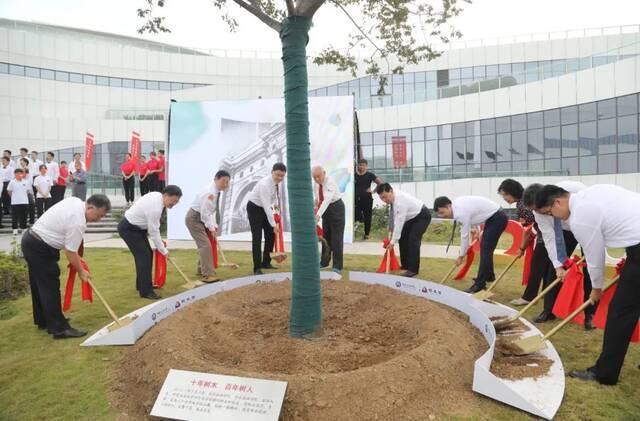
x: 34, y: 235
x: 633, y: 252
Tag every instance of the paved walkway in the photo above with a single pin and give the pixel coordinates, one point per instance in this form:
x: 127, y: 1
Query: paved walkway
x: 359, y: 248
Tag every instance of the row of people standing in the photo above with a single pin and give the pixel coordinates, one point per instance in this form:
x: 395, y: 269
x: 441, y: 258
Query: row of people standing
x: 151, y: 174
x: 30, y: 186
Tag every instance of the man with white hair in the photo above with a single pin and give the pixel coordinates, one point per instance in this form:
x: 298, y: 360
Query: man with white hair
x: 330, y: 208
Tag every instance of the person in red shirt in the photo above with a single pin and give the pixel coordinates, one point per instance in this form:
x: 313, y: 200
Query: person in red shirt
x: 60, y: 184
x: 152, y: 167
x: 143, y: 173
x: 128, y: 169
x: 162, y: 170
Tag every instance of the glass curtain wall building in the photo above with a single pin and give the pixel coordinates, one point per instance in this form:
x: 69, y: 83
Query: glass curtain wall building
x: 539, y: 107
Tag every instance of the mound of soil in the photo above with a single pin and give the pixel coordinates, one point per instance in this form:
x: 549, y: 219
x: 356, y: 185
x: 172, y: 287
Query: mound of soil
x: 383, y: 355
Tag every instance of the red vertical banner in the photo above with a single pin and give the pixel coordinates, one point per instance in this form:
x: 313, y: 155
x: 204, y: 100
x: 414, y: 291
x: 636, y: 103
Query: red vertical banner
x: 88, y: 151
x: 399, y: 150
x: 135, y: 147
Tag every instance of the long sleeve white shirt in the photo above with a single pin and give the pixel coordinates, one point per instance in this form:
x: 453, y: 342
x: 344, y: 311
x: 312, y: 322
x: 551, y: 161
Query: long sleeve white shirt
x: 205, y: 203
x: 264, y: 195
x: 601, y: 216
x: 34, y: 167
x: 545, y: 223
x: 330, y: 193
x: 471, y: 211
x: 63, y: 225
x: 145, y: 214
x: 405, y: 207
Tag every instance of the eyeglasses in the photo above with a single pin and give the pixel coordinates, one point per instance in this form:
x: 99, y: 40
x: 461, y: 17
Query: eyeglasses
x: 548, y: 211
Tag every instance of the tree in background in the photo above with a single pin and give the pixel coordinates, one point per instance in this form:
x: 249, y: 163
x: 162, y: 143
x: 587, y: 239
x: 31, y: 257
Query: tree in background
x: 394, y: 33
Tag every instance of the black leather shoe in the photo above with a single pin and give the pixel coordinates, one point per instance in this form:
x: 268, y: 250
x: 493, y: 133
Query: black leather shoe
x: 474, y: 288
x: 544, y: 317
x: 409, y: 274
x: 69, y: 333
x: 269, y: 266
x: 151, y: 296
x: 588, y: 322
x: 587, y: 375
x: 257, y: 272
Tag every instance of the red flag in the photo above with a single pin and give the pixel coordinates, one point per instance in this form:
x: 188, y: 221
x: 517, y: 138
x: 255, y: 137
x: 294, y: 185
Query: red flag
x: 528, y: 255
x: 393, y: 264
x: 471, y: 254
x: 160, y: 269
x: 88, y: 151
x: 571, y: 295
x: 87, y: 292
x: 517, y: 231
x: 135, y: 147
x: 278, y: 246
x: 214, y: 249
x: 600, y: 318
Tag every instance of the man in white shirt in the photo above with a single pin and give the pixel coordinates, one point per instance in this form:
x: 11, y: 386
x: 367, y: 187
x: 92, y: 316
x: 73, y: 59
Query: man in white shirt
x: 34, y: 163
x: 472, y: 211
x: 411, y: 219
x: 261, y: 203
x: 77, y: 157
x: 202, y: 218
x: 330, y: 209
x: 561, y: 244
x: 61, y: 228
x: 19, y: 189
x: 6, y: 172
x: 602, y: 216
x: 24, y: 164
x: 43, y: 184
x: 142, y: 218
x: 24, y: 154
x: 53, y: 170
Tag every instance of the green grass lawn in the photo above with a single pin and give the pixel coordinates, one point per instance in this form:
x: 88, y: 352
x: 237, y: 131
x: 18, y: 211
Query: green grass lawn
x: 43, y: 379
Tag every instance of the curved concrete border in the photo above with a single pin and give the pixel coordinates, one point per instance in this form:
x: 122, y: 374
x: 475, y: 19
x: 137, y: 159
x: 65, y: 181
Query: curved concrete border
x: 541, y: 396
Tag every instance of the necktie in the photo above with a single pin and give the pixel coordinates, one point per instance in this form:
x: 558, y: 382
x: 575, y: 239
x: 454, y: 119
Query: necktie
x: 320, y: 196
x: 218, y: 209
x: 453, y: 232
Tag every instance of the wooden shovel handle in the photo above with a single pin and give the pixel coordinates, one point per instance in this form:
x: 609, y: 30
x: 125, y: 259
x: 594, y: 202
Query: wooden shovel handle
x: 173, y: 262
x: 388, y: 257
x: 104, y: 303
x: 502, y: 274
x: 575, y: 313
x: 542, y: 294
x: 446, y: 277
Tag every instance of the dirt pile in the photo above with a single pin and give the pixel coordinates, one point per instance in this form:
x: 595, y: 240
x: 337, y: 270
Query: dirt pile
x: 383, y: 355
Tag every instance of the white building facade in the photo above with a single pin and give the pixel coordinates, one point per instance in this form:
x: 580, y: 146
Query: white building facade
x: 537, y: 108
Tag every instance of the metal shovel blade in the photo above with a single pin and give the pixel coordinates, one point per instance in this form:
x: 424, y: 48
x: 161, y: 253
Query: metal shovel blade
x: 122, y: 322
x: 192, y: 285
x: 529, y: 345
x: 483, y: 295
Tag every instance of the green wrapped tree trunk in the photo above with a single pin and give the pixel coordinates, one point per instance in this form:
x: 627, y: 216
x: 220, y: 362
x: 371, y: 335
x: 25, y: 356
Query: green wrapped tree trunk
x: 306, y: 299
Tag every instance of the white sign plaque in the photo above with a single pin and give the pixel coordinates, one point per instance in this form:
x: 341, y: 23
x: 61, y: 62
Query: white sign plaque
x: 189, y: 395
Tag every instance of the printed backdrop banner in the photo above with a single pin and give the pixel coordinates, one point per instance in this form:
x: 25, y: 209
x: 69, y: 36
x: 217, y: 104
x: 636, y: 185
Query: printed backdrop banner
x: 246, y: 138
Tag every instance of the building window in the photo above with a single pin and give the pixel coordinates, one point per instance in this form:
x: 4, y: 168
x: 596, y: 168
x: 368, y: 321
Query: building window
x: 17, y: 70
x: 32, y: 72
x: 62, y: 76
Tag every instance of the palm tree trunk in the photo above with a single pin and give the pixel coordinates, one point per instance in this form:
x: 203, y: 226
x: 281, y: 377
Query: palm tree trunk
x: 306, y: 299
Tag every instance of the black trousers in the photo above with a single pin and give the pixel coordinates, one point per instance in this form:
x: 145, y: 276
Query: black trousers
x: 44, y: 279
x: 333, y: 227
x: 541, y: 270
x: 138, y: 243
x: 624, y: 311
x: 6, y: 199
x: 161, y: 185
x: 43, y: 205
x: 258, y: 222
x: 144, y: 186
x: 129, y: 188
x: 57, y: 194
x: 154, y: 183
x: 31, y: 210
x: 19, y: 216
x: 571, y: 243
x: 411, y: 240
x: 493, y: 229
x: 364, y: 209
